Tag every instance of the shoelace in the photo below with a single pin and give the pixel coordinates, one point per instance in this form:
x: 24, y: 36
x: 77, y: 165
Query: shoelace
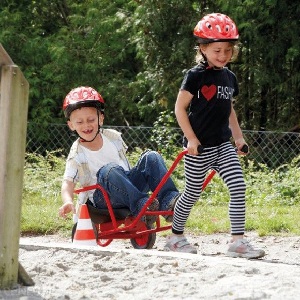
x: 247, y: 244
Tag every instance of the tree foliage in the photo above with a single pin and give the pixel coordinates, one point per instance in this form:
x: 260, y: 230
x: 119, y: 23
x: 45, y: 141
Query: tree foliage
x: 135, y: 54
x: 269, y: 62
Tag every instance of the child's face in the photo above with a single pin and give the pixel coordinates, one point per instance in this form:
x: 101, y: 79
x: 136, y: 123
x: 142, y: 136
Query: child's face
x: 85, y: 121
x: 218, y: 54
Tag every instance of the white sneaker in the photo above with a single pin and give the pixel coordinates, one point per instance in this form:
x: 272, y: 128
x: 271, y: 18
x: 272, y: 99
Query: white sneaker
x: 242, y: 248
x: 179, y: 244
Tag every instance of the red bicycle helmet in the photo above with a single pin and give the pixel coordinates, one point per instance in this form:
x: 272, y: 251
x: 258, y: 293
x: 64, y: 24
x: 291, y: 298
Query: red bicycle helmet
x: 216, y: 27
x: 82, y: 97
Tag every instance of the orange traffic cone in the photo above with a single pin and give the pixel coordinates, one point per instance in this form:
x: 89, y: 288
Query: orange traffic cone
x: 84, y: 234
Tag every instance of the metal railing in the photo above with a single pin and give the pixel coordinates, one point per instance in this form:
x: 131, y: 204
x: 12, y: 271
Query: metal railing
x: 267, y: 147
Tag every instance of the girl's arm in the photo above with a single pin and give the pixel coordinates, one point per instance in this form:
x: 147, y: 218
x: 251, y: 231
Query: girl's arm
x: 182, y: 103
x: 237, y: 133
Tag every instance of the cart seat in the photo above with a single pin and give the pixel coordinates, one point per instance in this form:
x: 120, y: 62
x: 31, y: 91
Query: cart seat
x: 101, y: 215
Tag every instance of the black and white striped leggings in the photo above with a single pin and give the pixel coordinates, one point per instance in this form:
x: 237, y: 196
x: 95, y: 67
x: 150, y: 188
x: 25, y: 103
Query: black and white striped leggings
x: 225, y: 161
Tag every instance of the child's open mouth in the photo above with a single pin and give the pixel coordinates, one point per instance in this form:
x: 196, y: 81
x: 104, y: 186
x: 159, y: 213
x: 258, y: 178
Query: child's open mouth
x: 88, y: 131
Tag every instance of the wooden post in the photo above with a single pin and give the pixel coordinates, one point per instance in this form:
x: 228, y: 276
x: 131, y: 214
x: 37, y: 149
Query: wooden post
x: 13, y: 125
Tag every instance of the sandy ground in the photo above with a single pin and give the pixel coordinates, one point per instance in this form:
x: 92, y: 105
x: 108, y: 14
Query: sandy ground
x: 118, y: 271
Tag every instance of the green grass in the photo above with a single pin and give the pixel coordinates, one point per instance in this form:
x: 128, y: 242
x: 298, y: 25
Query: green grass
x: 41, y: 195
x: 273, y: 199
x: 265, y: 220
x: 40, y: 216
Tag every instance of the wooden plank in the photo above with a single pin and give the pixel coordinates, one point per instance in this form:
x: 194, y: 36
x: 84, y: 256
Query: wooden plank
x: 13, y: 126
x: 4, y: 57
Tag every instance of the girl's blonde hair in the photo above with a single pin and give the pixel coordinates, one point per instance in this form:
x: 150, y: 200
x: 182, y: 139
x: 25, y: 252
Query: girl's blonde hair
x: 200, y: 58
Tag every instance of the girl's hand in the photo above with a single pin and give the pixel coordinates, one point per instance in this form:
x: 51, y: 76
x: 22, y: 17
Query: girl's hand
x: 242, y: 147
x: 192, y: 147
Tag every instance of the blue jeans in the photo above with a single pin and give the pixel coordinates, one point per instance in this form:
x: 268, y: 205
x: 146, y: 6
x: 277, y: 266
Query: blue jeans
x: 131, y: 188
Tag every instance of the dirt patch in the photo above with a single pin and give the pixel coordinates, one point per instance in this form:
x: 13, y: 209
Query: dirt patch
x: 61, y: 271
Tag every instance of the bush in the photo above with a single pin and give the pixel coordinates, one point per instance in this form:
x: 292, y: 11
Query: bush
x: 272, y: 197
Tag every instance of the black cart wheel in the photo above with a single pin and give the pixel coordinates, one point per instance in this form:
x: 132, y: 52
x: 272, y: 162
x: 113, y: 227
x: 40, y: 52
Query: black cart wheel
x: 144, y: 241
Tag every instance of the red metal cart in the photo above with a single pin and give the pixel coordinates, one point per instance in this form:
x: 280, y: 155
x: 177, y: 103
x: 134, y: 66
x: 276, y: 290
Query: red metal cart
x: 110, y: 223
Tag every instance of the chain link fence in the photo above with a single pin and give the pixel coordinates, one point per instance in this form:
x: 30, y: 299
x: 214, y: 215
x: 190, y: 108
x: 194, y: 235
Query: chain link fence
x: 267, y: 147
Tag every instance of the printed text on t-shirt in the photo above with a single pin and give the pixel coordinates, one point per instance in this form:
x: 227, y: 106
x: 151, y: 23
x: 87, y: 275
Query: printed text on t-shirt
x: 223, y: 92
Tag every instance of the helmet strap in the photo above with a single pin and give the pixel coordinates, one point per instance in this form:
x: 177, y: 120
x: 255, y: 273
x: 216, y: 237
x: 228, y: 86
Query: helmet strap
x: 205, y: 62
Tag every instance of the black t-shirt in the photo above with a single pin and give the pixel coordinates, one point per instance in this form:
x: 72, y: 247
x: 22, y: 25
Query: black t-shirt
x: 210, y: 108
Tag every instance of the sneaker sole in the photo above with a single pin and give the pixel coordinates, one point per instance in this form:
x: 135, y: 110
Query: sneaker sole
x: 246, y: 255
x: 167, y: 249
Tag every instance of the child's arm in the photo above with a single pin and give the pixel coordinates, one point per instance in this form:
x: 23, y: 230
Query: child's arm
x: 182, y: 103
x: 67, y: 194
x: 237, y: 133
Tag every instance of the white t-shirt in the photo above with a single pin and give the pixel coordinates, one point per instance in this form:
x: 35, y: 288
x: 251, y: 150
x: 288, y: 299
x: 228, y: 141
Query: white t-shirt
x: 97, y: 159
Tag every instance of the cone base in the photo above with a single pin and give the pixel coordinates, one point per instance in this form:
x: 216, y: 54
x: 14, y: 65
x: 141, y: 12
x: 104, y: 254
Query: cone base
x: 85, y: 242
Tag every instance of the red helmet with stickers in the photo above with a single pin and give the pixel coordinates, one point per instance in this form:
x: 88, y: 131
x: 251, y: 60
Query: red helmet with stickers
x: 82, y: 96
x: 216, y: 27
